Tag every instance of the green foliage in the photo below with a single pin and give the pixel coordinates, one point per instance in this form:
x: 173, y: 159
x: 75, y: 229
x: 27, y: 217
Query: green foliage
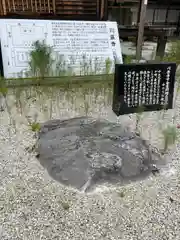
x: 169, y: 136
x: 65, y: 205
x: 18, y: 98
x: 121, y: 194
x: 85, y: 100
x: 128, y: 59
x: 108, y: 66
x: 173, y: 54
x: 178, y: 80
x: 3, y: 87
x: 41, y: 64
x: 40, y: 60
x: 140, y: 109
x: 86, y: 107
x: 177, y: 93
x: 3, y: 92
x: 139, y: 112
x: 35, y: 126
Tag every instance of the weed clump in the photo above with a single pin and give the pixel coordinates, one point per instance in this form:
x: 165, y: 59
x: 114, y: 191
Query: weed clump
x: 169, y: 136
x: 35, y: 127
x: 173, y: 54
x: 41, y: 60
x: 65, y: 205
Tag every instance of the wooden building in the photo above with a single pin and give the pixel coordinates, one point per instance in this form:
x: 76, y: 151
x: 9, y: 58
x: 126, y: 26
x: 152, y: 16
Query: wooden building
x: 162, y: 15
x: 159, y: 12
x: 124, y: 11
x: 59, y: 9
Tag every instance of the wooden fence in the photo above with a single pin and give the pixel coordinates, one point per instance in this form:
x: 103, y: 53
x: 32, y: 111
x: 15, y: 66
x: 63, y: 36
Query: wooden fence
x: 61, y: 9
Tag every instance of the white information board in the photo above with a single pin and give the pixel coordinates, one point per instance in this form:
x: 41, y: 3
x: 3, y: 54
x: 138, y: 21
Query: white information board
x: 75, y: 44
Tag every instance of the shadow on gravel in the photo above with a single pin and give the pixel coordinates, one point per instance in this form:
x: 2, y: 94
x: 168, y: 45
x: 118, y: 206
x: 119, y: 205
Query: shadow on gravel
x: 85, y: 152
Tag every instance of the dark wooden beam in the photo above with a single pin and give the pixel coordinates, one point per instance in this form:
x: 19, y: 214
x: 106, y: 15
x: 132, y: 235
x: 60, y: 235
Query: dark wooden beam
x: 178, y: 27
x: 167, y: 11
x: 154, y: 12
x: 141, y: 25
x: 161, y: 46
x: 133, y: 32
x: 139, y: 11
x: 104, y: 10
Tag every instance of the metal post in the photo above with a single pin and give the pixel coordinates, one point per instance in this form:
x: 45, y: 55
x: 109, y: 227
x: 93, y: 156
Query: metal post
x: 141, y: 29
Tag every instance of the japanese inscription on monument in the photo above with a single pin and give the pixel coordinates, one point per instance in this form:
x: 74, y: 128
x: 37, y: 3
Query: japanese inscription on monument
x: 150, y: 86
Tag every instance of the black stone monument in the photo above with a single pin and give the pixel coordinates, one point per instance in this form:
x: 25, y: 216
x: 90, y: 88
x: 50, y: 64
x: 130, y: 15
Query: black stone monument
x: 149, y: 87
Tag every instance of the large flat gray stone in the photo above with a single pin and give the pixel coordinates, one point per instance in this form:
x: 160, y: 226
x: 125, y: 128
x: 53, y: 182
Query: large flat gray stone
x: 83, y: 152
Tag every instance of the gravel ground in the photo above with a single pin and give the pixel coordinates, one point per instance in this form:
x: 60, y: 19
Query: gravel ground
x: 35, y: 207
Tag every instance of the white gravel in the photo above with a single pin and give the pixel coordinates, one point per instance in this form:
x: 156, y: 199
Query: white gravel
x: 35, y: 207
